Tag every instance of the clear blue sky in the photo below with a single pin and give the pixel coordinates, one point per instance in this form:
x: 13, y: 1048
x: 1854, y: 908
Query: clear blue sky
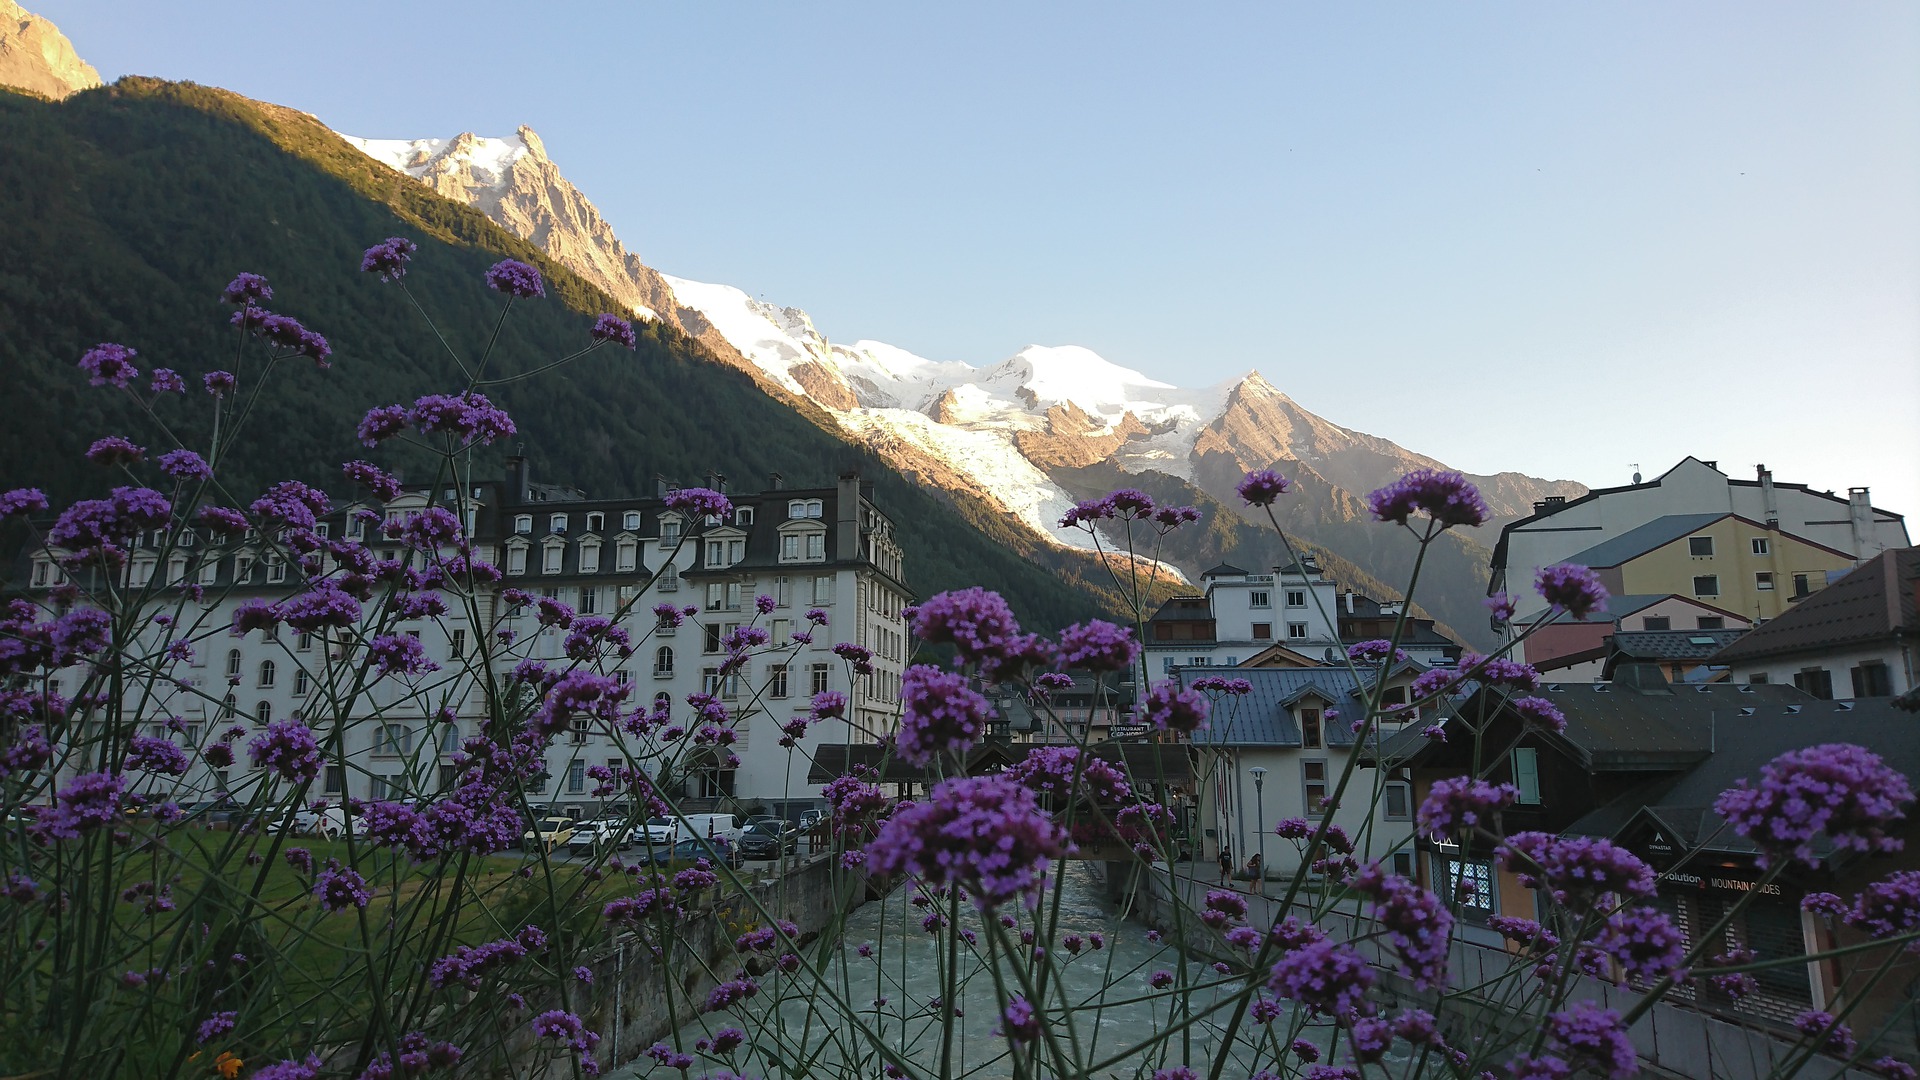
x: 1562, y: 238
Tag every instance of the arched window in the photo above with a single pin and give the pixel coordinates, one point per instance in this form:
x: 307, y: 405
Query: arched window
x: 663, y: 661
x: 663, y: 701
x: 263, y: 713
x: 450, y: 738
x: 233, y: 663
x: 229, y: 706
x: 743, y: 515
x: 630, y: 519
x: 267, y: 672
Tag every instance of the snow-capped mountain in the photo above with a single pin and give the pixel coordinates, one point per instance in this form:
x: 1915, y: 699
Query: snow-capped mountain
x: 1005, y: 430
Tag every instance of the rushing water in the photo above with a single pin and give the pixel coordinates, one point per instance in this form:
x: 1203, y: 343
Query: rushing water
x: 893, y: 991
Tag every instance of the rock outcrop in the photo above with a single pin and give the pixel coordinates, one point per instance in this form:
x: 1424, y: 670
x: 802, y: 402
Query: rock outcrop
x: 36, y: 56
x: 1074, y: 439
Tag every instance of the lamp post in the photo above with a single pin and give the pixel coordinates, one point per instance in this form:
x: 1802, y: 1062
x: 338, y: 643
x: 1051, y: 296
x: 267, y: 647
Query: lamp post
x: 1260, y: 821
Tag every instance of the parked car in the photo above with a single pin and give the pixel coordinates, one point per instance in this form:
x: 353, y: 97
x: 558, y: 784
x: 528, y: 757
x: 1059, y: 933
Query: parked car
x: 811, y: 819
x: 717, y: 851
x: 598, y: 835
x: 547, y: 833
x: 328, y: 823
x: 704, y: 826
x: 761, y: 841
x: 658, y: 833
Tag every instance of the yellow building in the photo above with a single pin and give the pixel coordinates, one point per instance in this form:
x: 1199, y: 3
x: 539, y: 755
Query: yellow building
x: 1724, y: 560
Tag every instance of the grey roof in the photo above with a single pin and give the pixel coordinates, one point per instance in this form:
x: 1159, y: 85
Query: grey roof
x: 1265, y: 718
x: 1683, y: 804
x: 1874, y: 603
x: 1616, y: 727
x: 1635, y: 542
x: 1224, y: 570
x: 1673, y: 644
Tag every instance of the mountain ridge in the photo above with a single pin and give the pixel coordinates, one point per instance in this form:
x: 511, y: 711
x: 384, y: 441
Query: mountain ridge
x: 35, y: 56
x: 1001, y: 430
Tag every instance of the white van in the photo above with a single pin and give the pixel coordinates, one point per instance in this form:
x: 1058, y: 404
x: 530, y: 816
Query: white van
x: 702, y: 826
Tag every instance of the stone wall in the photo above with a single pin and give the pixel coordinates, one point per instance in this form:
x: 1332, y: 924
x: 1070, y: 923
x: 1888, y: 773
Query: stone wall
x: 1672, y: 1039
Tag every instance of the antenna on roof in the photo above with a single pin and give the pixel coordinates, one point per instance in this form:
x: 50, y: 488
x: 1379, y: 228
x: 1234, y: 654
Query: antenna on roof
x: 1636, y: 472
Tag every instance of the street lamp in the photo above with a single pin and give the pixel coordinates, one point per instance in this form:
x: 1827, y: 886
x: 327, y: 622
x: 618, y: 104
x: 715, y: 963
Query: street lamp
x: 1260, y: 818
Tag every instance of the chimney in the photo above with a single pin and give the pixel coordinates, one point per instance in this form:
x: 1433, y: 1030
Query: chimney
x: 520, y: 475
x: 1769, y: 499
x: 660, y: 486
x: 1860, y: 516
x: 776, y: 482
x: 713, y: 482
x: 1349, y: 601
x: 1714, y: 465
x: 847, y: 517
x: 720, y: 483
x: 1555, y: 502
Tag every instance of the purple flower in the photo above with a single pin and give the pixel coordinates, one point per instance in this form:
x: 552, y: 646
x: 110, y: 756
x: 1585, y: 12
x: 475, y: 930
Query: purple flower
x: 615, y: 329
x: 89, y: 801
x: 1086, y: 511
x: 167, y: 381
x: 1886, y: 908
x: 1446, y: 497
x: 1575, y: 869
x: 381, y: 423
x: 1500, y: 607
x: 115, y: 450
x: 285, y: 332
x: 469, y: 418
x: 339, y: 888
x: 939, y: 712
x: 1172, y: 517
x: 699, y: 502
x: 381, y: 483
x: 320, y: 608
x: 1097, y: 645
x: 389, y: 258
x: 293, y: 503
x: 1415, y: 920
x: 300, y: 859
x: 1326, y: 977
x: 1065, y: 773
x: 1541, y: 712
x: 818, y: 616
x: 1374, y: 651
x: 1169, y: 708
x: 1460, y: 802
x: 1018, y: 1022
x: 1304, y: 1050
x: 1838, y: 790
x: 185, y: 465
x: 287, y: 748
x: 516, y: 279
x: 827, y: 703
x: 978, y: 624
x: 219, y: 383
x: 1573, y: 589
x: 400, y: 654
x: 20, y: 501
x: 156, y: 755
x: 1262, y: 486
x: 1592, y: 1035
x: 221, y: 1022
x: 985, y: 834
x: 1645, y: 942
x: 289, y: 1069
x: 1892, y: 1068
x: 108, y: 364
x: 247, y: 289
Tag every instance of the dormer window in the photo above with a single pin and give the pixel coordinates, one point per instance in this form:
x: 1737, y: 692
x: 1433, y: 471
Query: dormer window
x: 630, y: 520
x: 589, y: 558
x: 725, y: 552
x: 743, y: 515
x: 517, y: 558
x: 523, y: 524
x: 670, y: 530
x: 557, y: 523
x: 800, y: 509
x: 553, y: 558
x: 627, y: 556
x: 596, y: 522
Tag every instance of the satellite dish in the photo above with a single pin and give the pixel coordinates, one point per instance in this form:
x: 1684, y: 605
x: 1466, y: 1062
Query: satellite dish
x: 1636, y: 472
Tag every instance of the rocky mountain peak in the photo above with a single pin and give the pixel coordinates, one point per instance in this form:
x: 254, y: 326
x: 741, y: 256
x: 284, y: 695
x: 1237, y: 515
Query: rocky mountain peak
x: 535, y: 148
x: 36, y: 56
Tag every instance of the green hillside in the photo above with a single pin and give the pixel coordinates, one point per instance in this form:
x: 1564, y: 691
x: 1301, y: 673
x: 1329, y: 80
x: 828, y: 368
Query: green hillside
x: 127, y: 209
